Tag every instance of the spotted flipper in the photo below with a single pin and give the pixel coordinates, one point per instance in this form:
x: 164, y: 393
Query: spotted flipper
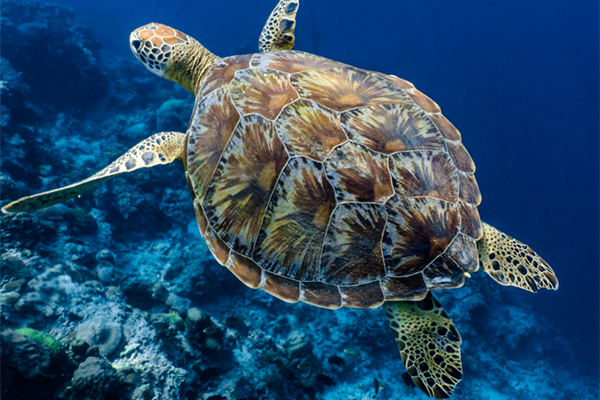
x: 512, y: 263
x: 429, y: 344
x: 160, y: 148
x: 278, y: 32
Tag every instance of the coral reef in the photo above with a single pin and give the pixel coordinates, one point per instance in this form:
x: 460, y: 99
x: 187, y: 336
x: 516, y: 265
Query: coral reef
x: 72, y: 58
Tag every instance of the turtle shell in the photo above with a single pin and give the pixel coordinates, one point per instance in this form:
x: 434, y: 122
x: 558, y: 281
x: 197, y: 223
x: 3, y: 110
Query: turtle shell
x: 328, y: 184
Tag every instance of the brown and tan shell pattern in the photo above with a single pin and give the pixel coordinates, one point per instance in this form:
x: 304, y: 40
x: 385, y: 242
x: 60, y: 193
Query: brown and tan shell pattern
x: 328, y: 184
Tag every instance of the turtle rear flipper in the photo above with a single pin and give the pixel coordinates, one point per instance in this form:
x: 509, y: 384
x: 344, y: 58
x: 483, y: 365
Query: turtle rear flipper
x: 429, y: 344
x: 160, y: 148
x: 512, y: 263
x: 278, y: 32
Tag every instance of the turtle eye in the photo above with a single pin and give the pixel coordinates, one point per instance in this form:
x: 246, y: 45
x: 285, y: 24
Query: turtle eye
x: 136, y: 44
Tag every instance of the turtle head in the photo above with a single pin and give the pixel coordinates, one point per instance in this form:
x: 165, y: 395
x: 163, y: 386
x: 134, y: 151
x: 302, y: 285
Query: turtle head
x: 153, y: 45
x: 171, y: 54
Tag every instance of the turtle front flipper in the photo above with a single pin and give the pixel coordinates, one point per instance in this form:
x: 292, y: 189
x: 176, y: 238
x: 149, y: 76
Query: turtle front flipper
x: 160, y: 148
x: 278, y: 32
x: 512, y: 263
x: 429, y: 344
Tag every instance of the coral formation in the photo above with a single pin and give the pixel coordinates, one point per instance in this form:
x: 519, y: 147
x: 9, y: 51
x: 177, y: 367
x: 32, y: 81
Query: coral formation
x: 105, y: 334
x: 96, y: 379
x: 55, y: 347
x: 79, y: 348
x: 12, y: 265
x: 300, y: 357
x: 24, y: 355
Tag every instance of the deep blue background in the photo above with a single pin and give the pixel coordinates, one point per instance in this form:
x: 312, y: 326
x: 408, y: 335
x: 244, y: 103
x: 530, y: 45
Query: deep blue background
x: 518, y: 78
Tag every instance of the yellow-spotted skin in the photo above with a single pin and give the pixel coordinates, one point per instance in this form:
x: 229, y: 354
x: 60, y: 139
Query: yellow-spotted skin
x: 159, y: 149
x: 512, y: 263
x: 278, y: 32
x: 429, y: 344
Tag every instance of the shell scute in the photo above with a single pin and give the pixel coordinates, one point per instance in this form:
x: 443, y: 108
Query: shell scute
x: 401, y: 83
x: 392, y: 128
x: 262, y: 91
x: 294, y: 226
x: 245, y: 269
x: 461, y: 157
x: 321, y: 294
x: 424, y: 102
x: 343, y: 88
x: 359, y: 174
x: 223, y: 72
x: 418, y: 231
x: 292, y: 61
x: 239, y: 192
x: 470, y: 223
x: 446, y: 128
x: 217, y: 246
x: 444, y: 273
x: 352, y: 249
x: 281, y: 287
x: 310, y: 130
x: 464, y: 251
x: 213, y: 123
x: 200, y: 216
x: 412, y: 287
x: 425, y: 174
x: 365, y: 295
x: 469, y: 189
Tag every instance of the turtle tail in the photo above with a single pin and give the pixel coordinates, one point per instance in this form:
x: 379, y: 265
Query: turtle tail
x: 160, y: 148
x: 512, y: 263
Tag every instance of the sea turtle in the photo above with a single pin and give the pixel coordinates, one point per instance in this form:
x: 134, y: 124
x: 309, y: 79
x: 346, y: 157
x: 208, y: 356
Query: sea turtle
x: 328, y: 184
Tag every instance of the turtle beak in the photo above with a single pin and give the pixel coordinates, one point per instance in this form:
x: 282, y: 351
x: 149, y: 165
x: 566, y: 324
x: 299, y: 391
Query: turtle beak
x: 136, y: 45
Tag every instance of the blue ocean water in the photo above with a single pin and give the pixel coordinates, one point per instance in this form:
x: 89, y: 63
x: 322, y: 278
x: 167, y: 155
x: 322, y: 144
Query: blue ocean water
x: 519, y: 80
